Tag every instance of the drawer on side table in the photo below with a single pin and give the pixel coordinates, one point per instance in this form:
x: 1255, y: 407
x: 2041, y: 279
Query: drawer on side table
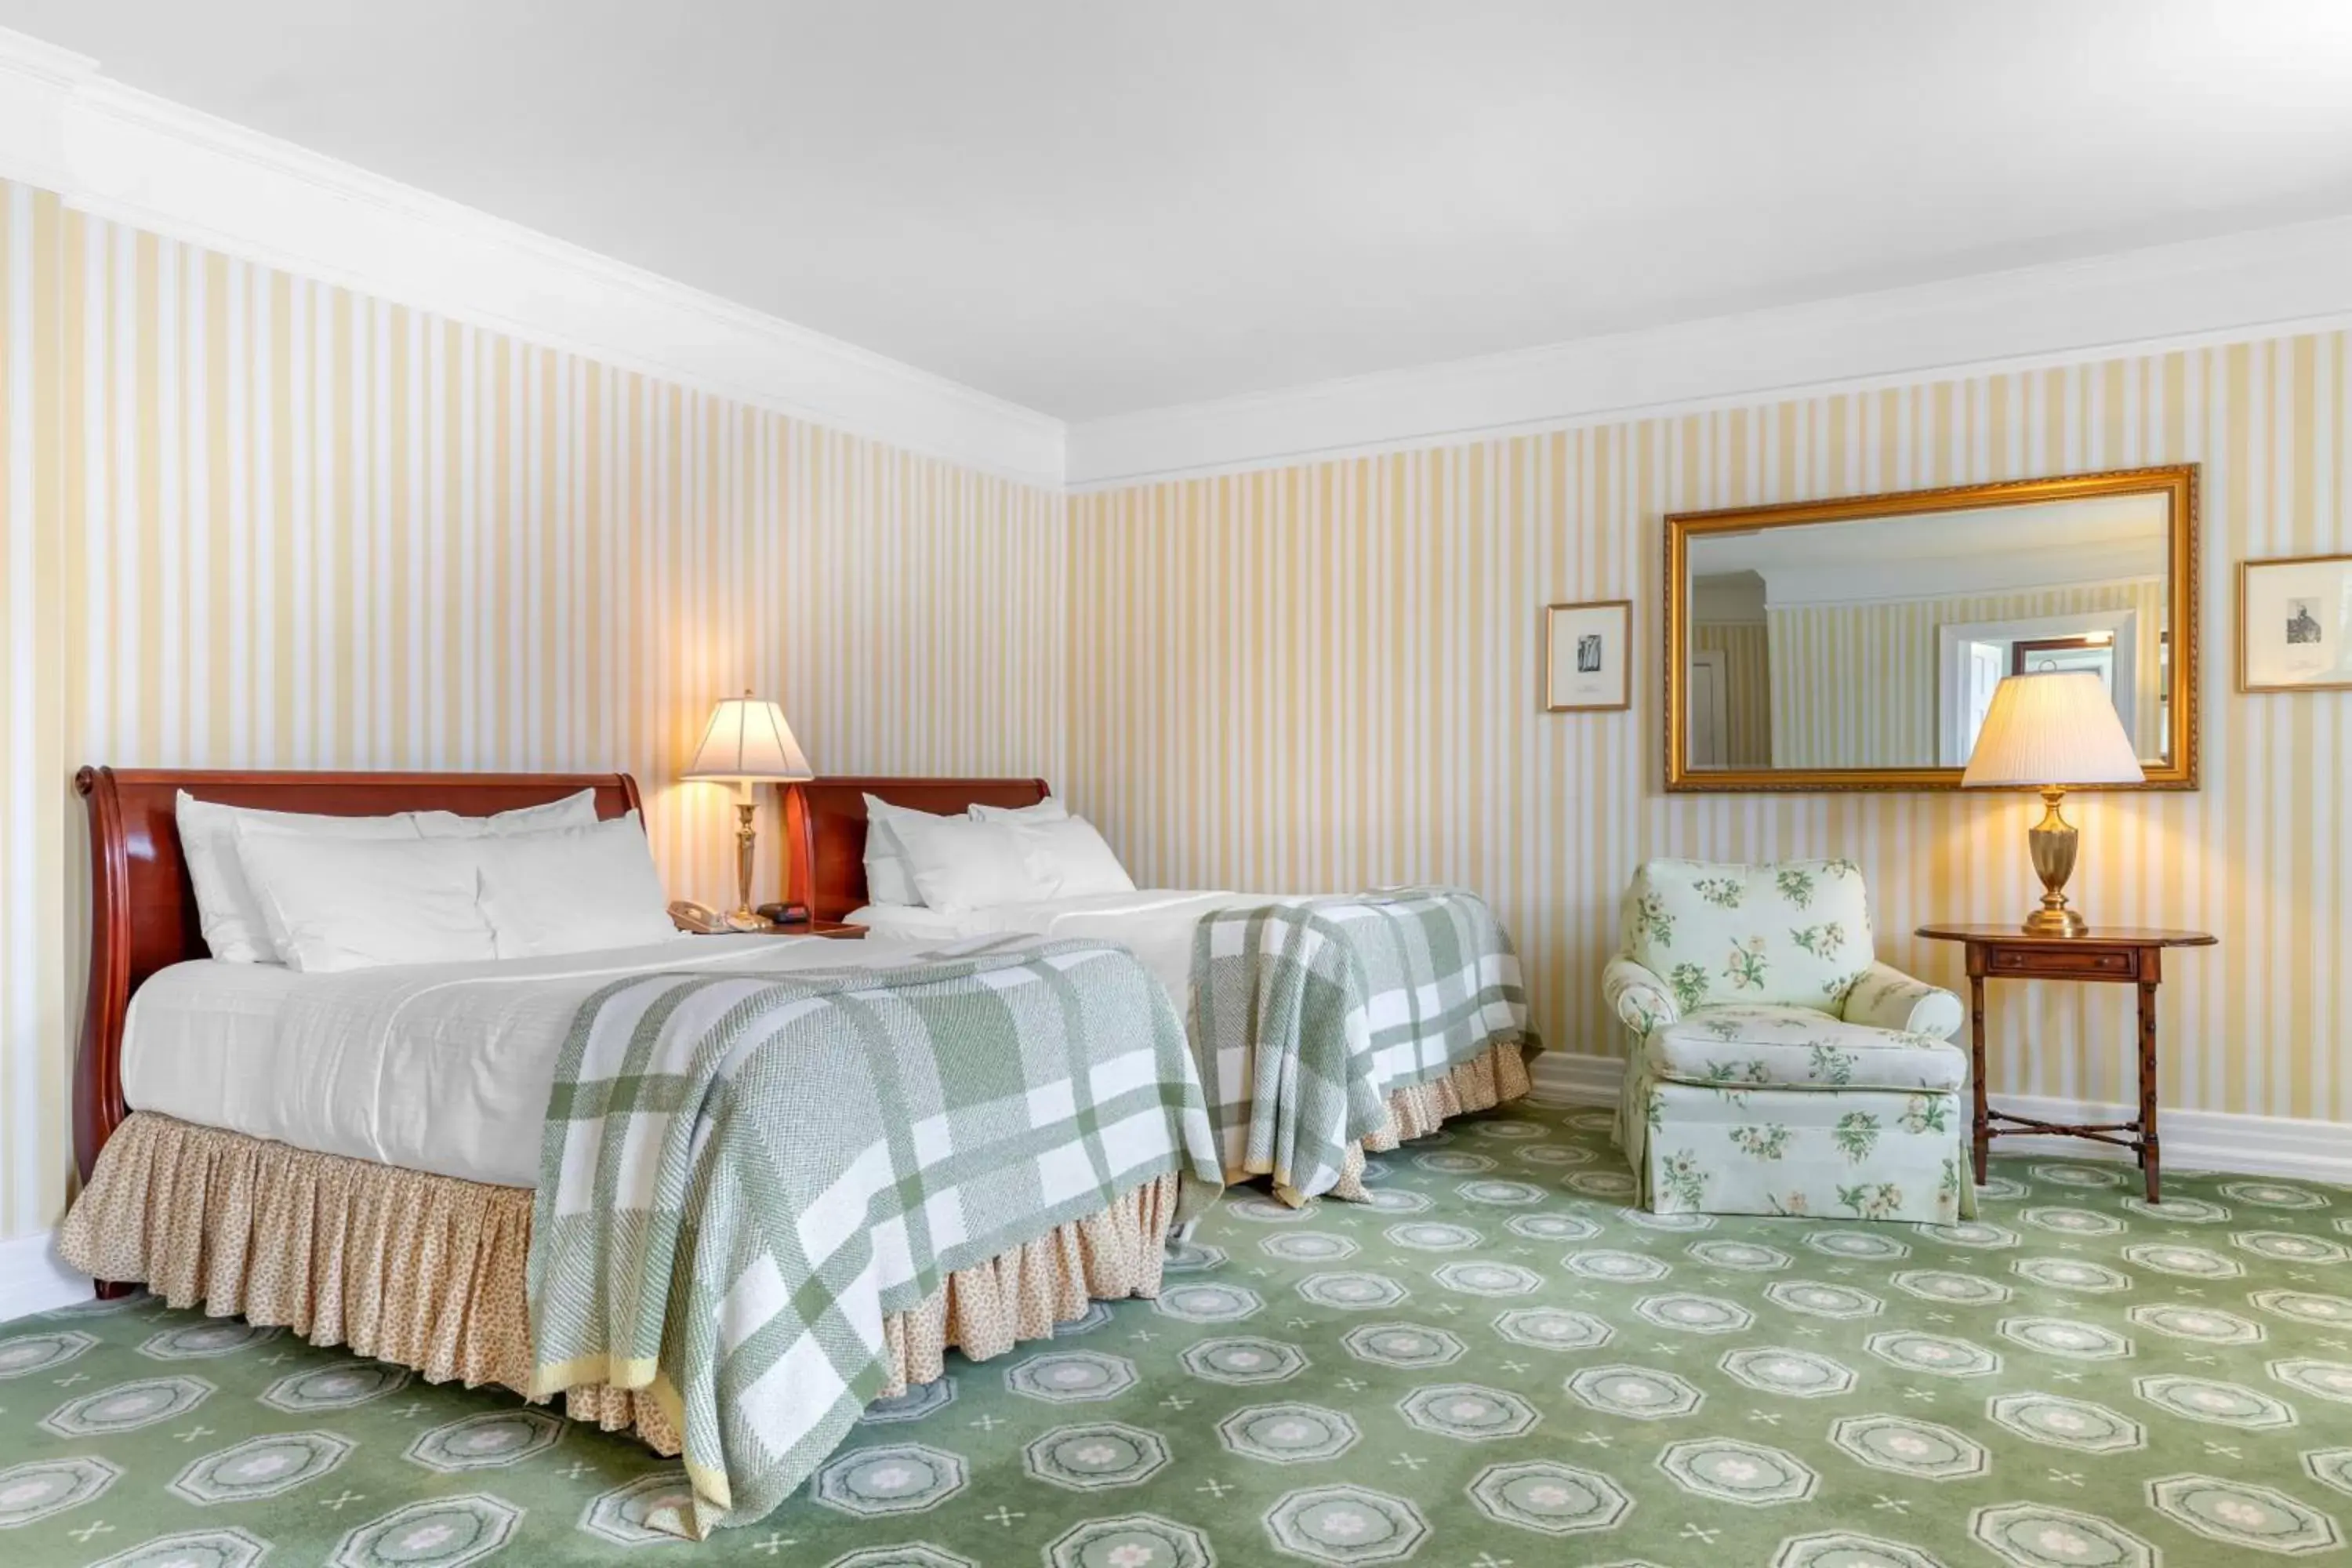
x: 2087, y: 963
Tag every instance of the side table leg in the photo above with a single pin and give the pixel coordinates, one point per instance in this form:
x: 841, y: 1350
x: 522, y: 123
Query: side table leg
x: 1983, y: 1127
x: 2149, y: 1149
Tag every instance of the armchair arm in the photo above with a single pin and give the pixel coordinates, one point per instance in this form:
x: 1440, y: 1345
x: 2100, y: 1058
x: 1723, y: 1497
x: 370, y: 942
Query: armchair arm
x: 1639, y: 997
x: 1886, y: 998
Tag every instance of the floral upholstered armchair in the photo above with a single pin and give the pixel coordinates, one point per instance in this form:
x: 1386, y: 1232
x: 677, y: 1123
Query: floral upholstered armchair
x: 1776, y: 1065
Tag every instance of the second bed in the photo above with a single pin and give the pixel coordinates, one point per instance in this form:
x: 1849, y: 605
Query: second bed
x: 1322, y: 1025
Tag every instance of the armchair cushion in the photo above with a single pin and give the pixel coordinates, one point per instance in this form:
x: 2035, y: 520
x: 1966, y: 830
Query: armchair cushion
x: 1795, y: 934
x: 1639, y: 998
x: 1886, y: 998
x: 1778, y: 1047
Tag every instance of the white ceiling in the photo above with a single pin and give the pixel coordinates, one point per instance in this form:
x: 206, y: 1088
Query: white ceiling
x: 1093, y: 206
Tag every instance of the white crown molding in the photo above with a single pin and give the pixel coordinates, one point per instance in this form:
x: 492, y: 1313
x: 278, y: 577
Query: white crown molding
x: 125, y: 156
x: 37, y: 86
x: 2161, y: 297
x: 2193, y: 1140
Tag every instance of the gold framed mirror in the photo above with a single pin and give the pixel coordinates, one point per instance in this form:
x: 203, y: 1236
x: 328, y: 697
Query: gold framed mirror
x: 1853, y: 644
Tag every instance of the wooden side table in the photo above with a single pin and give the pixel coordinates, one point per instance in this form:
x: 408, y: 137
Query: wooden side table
x: 2119, y: 954
x: 837, y: 930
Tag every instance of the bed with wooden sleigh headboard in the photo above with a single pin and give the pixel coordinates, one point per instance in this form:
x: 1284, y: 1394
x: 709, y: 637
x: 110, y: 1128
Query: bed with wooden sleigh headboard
x: 142, y: 915
x: 1465, y: 1055
x: 423, y: 1268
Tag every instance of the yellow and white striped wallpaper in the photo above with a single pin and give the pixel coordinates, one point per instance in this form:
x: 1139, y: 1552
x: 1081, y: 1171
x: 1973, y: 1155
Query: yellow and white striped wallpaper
x: 1855, y: 686
x: 35, y: 1017
x: 274, y: 523
x: 248, y: 519
x: 1327, y: 676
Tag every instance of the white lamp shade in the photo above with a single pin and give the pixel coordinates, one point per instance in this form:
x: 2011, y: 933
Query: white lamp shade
x: 747, y: 740
x: 2054, y: 729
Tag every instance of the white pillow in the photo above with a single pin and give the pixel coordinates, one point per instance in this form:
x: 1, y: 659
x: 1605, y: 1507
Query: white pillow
x: 890, y: 879
x: 572, y: 811
x: 344, y: 903
x: 234, y: 927
x: 580, y: 890
x: 1071, y: 858
x: 959, y: 865
x: 1049, y: 809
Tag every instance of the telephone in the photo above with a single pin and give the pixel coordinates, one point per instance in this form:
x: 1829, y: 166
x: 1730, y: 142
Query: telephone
x: 704, y: 921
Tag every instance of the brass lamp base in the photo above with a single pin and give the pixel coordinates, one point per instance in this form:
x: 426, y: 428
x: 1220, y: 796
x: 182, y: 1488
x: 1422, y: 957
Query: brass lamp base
x: 743, y: 917
x: 2053, y: 842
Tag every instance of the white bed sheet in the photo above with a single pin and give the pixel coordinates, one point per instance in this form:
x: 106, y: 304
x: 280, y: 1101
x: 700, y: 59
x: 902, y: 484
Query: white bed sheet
x: 921, y: 922
x: 441, y: 1068
x: 1155, y: 923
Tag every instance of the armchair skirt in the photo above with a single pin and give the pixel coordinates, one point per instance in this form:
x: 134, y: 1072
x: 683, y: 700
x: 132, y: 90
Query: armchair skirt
x: 1843, y: 1154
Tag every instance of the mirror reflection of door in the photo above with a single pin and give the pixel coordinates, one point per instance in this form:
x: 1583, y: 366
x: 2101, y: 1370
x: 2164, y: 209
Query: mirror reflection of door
x: 2047, y: 656
x: 1976, y: 657
x: 1986, y: 667
x: 1708, y: 740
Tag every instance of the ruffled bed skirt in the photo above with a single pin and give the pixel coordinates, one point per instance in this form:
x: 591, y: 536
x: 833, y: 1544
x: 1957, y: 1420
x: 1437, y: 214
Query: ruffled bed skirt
x: 1481, y: 1083
x: 1417, y: 1110
x: 428, y: 1271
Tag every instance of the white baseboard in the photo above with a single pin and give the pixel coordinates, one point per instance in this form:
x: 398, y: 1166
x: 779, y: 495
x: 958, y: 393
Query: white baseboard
x: 1567, y: 1079
x: 33, y: 1279
x: 2193, y: 1140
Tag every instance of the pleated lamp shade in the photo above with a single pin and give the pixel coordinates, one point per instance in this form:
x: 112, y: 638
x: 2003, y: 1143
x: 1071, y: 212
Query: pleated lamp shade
x: 747, y: 740
x: 2048, y: 730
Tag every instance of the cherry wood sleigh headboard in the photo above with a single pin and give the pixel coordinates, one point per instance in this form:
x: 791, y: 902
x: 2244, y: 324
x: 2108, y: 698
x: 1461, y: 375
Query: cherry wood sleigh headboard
x: 143, y: 908
x: 824, y: 828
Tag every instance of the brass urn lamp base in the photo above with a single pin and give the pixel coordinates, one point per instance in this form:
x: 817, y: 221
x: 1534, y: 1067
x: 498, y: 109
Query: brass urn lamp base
x: 743, y: 917
x: 2053, y: 841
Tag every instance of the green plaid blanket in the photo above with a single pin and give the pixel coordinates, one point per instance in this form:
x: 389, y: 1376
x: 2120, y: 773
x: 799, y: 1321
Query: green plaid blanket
x: 1306, y: 1015
x: 743, y: 1175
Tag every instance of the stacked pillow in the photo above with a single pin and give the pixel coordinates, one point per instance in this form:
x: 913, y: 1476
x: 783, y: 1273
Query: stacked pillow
x: 324, y: 893
x: 991, y: 854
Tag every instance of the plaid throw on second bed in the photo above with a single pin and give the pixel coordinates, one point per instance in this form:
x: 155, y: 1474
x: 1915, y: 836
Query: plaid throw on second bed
x: 1306, y: 1015
x: 743, y: 1175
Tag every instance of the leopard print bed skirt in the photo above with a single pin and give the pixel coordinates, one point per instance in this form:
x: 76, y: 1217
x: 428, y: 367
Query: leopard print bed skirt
x: 428, y: 1271
x: 1481, y: 1083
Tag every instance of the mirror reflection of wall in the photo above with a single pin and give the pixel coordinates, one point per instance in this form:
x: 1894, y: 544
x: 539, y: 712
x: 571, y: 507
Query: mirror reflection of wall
x: 1731, y: 673
x: 1876, y: 642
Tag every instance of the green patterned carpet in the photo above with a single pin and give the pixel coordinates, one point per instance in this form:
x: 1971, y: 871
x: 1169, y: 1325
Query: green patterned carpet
x: 1493, y: 1365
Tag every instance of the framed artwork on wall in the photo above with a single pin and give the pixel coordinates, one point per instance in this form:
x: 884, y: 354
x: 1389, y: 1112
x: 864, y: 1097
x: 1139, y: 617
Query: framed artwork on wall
x: 1589, y: 656
x: 2294, y: 623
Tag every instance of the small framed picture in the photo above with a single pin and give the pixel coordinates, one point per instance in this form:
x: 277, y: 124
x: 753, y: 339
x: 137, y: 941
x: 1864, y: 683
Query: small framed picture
x: 2294, y: 623
x: 1587, y: 656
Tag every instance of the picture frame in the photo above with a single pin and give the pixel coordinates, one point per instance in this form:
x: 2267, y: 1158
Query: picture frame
x: 2294, y: 623
x: 1589, y: 656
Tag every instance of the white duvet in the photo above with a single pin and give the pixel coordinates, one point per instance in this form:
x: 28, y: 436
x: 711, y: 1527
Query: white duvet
x: 1156, y: 923
x: 441, y: 1068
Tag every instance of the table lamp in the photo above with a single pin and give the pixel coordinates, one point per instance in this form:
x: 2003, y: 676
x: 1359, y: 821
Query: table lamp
x: 747, y: 743
x: 2047, y: 733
